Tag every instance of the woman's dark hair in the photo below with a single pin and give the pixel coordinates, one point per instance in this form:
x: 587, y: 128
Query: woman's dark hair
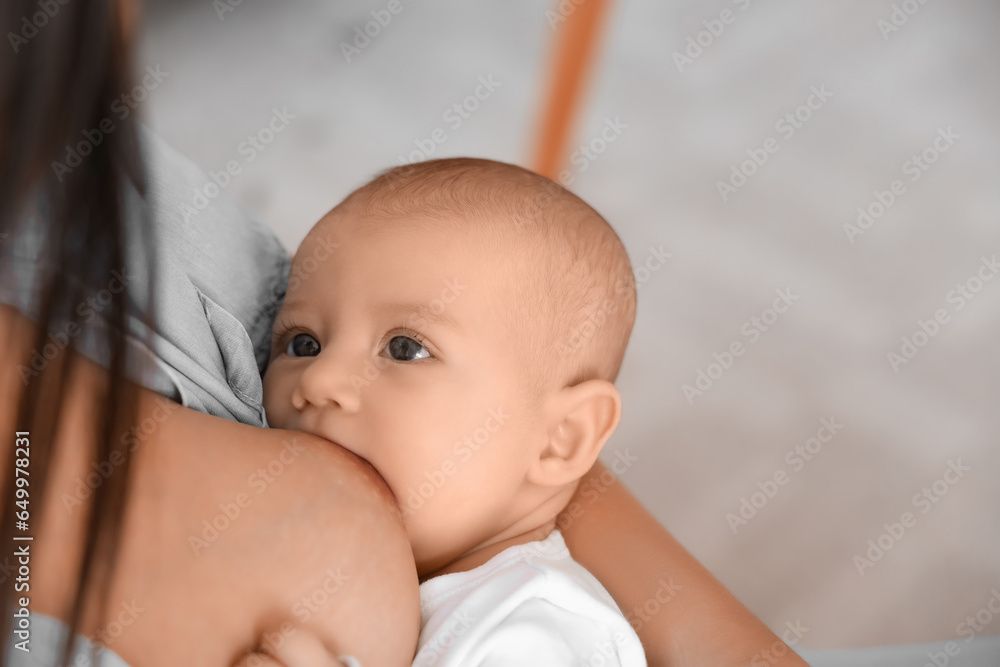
x: 65, y: 65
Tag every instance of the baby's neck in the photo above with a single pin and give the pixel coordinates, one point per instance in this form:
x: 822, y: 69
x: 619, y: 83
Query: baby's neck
x: 474, y: 559
x: 533, y: 527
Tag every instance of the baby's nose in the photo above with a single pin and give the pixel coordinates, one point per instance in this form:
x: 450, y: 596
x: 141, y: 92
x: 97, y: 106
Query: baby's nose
x: 327, y: 383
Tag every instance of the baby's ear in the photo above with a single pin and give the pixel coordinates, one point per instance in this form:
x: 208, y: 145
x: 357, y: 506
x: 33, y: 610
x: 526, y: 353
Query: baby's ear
x: 579, y: 419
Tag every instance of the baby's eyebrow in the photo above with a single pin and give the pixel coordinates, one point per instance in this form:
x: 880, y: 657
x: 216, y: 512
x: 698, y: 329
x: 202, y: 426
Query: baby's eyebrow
x: 434, y: 311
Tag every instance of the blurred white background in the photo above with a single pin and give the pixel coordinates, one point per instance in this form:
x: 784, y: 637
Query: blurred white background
x: 683, y: 130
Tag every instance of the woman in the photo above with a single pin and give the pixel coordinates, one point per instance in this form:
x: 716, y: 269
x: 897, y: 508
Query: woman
x: 136, y: 544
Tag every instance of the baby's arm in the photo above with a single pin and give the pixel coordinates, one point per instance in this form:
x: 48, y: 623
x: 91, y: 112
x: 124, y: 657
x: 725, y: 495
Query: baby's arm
x: 696, y: 620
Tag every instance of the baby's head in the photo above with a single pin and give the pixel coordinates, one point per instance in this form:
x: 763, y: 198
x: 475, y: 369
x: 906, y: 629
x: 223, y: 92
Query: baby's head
x: 459, y: 324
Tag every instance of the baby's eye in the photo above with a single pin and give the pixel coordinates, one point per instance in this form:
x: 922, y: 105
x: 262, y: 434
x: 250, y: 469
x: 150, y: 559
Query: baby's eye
x: 303, y: 345
x: 404, y: 348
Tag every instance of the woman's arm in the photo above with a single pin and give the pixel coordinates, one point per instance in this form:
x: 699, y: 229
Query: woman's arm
x: 683, y: 615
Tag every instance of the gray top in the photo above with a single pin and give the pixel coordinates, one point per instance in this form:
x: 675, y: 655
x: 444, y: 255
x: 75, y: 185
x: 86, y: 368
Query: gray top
x: 218, y: 279
x: 47, y: 637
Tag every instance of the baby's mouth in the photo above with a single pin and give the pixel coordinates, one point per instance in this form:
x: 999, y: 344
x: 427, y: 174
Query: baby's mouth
x: 309, y: 428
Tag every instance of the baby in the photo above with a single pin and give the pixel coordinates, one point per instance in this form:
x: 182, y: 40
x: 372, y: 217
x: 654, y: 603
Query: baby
x: 459, y: 324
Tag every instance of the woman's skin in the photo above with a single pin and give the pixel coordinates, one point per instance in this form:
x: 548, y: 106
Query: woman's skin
x: 326, y: 520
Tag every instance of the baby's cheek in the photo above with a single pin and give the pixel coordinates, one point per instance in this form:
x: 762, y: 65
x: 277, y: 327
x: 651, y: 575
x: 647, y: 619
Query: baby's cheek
x: 273, y: 405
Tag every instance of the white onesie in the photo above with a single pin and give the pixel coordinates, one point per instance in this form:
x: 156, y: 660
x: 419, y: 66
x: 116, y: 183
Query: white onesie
x: 531, y: 604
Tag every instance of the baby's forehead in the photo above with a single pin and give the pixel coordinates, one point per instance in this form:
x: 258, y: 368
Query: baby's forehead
x: 417, y: 256
x: 520, y: 249
x: 446, y: 236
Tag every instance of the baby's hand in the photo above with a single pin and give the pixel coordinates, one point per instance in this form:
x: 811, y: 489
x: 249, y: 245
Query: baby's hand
x: 300, y: 650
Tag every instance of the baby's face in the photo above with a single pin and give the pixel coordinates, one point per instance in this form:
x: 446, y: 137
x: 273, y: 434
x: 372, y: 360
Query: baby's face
x: 390, y: 343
